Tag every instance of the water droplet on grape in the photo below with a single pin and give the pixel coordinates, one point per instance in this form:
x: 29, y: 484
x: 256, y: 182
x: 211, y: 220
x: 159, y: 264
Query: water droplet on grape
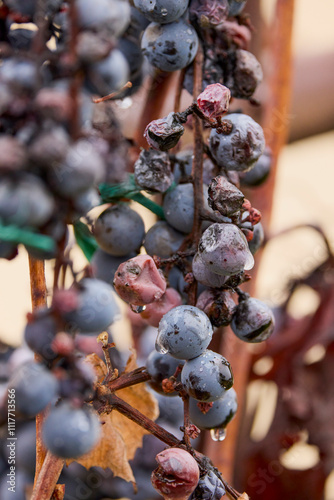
x: 160, y: 347
x: 218, y: 434
x: 137, y: 309
x: 164, y: 12
x: 249, y: 264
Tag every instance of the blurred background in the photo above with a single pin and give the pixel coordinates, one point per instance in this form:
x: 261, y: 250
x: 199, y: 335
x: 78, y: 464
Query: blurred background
x: 303, y: 195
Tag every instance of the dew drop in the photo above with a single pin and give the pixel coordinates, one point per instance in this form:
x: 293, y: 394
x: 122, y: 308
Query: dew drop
x: 164, y: 12
x: 137, y: 309
x: 160, y: 347
x: 249, y: 264
x: 218, y: 434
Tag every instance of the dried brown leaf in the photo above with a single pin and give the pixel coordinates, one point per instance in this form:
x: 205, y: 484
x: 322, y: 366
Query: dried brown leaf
x: 141, y: 399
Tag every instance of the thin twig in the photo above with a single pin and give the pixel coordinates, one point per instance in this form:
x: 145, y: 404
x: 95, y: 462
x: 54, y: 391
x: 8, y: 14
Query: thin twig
x: 128, y: 85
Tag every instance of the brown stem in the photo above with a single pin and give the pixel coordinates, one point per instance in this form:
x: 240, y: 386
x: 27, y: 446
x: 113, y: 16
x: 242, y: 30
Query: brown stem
x: 186, y: 421
x: 48, y: 477
x: 136, y: 416
x: 38, y: 299
x: 197, y: 168
x: 135, y: 377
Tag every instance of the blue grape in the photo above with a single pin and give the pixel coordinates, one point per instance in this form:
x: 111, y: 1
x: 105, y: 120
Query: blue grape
x: 132, y: 54
x: 258, y: 238
x: 161, y: 366
x: 105, y: 265
x: 70, y: 432
x: 24, y: 7
x: 25, y: 202
x: 110, y: 234
x: 85, y: 202
x: 242, y: 147
x: 209, y: 487
x: 40, y: 333
x: 162, y: 11
x: 22, y: 480
x: 253, y: 321
x: 21, y: 75
x: 81, y: 169
x: 219, y: 415
x: 110, y: 15
x: 178, y: 206
x: 21, y: 38
x: 111, y: 73
x: 97, y: 307
x: 170, y: 47
x: 236, y: 7
x: 223, y: 248
x: 162, y: 240
x: 203, y: 274
x: 7, y: 250
x: 259, y: 172
x: 207, y: 377
x: 247, y: 74
x: 35, y: 387
x: 184, y: 332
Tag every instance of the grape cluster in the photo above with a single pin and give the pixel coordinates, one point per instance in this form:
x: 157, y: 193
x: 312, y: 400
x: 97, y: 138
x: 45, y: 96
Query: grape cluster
x: 63, y: 153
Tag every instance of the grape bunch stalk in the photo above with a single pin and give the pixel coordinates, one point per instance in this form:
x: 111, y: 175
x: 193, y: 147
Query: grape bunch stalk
x: 64, y: 153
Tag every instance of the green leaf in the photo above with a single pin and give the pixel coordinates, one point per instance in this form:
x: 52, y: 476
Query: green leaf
x: 27, y: 237
x: 112, y: 193
x: 85, y: 240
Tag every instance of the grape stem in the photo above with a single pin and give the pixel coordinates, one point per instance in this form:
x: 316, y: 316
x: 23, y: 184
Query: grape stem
x: 46, y: 485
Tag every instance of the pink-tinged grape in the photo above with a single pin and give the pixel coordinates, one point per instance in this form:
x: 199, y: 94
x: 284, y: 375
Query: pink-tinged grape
x: 213, y: 102
x: 177, y: 474
x: 138, y: 281
x: 224, y: 249
x: 156, y: 310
